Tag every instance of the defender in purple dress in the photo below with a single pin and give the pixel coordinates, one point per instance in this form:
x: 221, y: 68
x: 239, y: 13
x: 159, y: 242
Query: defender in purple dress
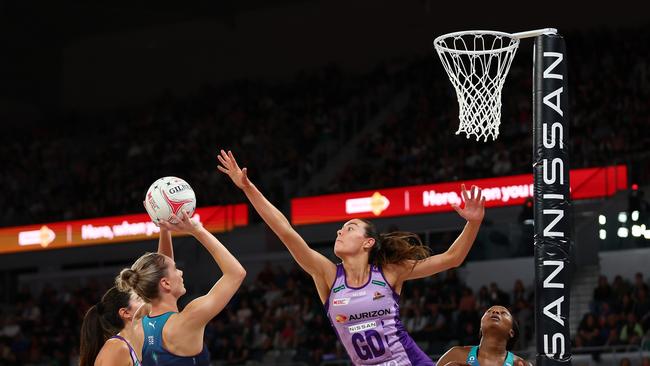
x: 361, y: 294
x: 366, y: 320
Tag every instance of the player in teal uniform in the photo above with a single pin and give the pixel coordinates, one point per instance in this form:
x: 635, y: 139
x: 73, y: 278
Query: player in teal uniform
x: 111, y: 333
x: 170, y: 337
x: 499, y: 332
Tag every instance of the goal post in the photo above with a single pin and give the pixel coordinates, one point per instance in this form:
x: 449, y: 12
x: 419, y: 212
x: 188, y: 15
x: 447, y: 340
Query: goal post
x: 552, y: 210
x: 477, y: 63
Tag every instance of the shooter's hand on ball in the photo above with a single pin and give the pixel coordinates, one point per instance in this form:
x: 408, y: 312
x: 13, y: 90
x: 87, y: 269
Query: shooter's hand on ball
x: 229, y: 166
x: 184, y: 224
x: 474, y: 209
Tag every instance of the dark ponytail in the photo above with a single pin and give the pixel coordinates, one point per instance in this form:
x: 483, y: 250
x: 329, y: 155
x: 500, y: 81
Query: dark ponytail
x: 395, y: 247
x: 101, y: 322
x: 92, y: 337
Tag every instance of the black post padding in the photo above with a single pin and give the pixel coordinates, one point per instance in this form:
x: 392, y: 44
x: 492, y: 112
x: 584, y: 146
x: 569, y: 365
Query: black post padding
x: 552, y: 202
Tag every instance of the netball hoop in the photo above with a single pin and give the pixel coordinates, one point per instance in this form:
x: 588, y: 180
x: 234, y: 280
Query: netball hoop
x: 477, y: 63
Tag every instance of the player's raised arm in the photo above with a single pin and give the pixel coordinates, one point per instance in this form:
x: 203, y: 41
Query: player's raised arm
x: 473, y: 212
x: 317, y: 265
x: 201, y: 310
x: 164, y: 239
x: 165, y: 243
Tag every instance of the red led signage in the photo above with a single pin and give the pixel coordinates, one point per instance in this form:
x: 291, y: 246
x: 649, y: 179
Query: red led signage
x: 432, y: 198
x: 110, y: 230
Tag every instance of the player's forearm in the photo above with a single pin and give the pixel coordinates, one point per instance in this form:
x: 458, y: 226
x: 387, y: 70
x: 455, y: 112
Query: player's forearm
x: 269, y: 213
x: 458, y: 251
x: 228, y: 264
x: 165, y: 243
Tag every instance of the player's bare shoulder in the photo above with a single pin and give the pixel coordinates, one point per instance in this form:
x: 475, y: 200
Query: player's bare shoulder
x: 114, y: 352
x: 115, y: 345
x: 456, y: 355
x: 461, y: 351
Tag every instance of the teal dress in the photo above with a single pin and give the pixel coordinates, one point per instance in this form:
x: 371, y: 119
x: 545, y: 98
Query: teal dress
x: 472, y: 358
x: 153, y: 352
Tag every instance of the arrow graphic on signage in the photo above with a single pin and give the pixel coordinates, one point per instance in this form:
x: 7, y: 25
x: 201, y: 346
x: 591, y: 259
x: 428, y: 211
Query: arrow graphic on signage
x: 42, y: 237
x: 376, y: 204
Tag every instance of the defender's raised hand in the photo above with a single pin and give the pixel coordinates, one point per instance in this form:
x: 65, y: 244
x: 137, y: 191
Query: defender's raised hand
x: 474, y: 209
x: 229, y: 166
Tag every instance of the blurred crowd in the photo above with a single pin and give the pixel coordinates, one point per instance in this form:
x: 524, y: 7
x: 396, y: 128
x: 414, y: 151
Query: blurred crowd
x: 620, y: 314
x: 100, y: 163
x: 277, y: 317
x: 78, y: 164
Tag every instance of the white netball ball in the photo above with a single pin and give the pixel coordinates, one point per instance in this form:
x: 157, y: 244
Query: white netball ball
x: 167, y: 196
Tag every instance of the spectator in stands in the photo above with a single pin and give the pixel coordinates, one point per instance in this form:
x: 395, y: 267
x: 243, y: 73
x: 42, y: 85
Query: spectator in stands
x: 484, y: 298
x: 642, y: 307
x: 626, y: 304
x: 619, y: 287
x: 519, y: 292
x: 467, y: 307
x: 437, y: 329
x: 239, y: 352
x: 639, y: 284
x: 469, y: 335
x: 497, y: 296
x: 523, y: 315
x: 420, y: 322
x: 603, y: 293
x: 631, y: 333
x: 611, y: 333
x: 588, y: 332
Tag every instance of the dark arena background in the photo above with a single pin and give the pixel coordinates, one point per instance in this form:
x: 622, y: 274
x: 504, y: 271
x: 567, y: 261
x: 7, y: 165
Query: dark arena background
x: 338, y: 110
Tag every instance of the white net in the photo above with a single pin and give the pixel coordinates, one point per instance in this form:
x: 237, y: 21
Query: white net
x: 477, y: 63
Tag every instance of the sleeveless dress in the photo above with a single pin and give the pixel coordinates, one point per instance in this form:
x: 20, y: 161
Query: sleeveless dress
x: 366, y: 321
x: 472, y: 358
x: 153, y: 352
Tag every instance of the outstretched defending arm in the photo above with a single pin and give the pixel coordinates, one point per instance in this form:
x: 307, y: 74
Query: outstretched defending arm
x: 473, y: 212
x: 317, y: 265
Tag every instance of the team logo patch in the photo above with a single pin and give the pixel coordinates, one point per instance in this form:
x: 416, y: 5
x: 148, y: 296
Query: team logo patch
x: 341, y: 318
x: 341, y: 301
x: 337, y: 289
x: 363, y: 326
x: 379, y: 283
x: 369, y: 314
x: 377, y: 295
